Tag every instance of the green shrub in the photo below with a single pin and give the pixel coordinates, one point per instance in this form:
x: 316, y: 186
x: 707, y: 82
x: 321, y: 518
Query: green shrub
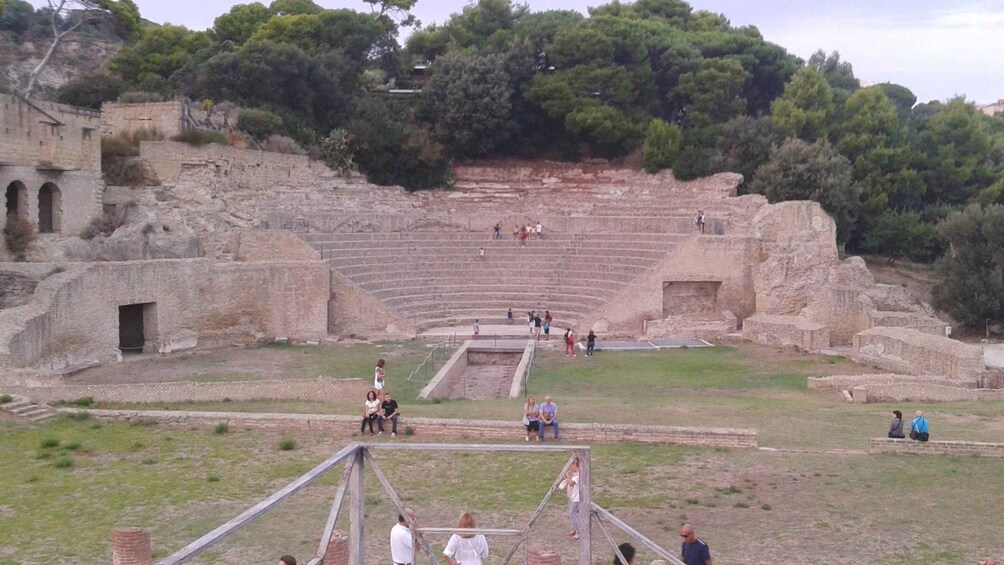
x: 50, y: 442
x: 62, y: 462
x: 199, y: 137
x: 259, y: 124
x: 43, y: 454
x: 140, y: 97
x: 79, y: 416
x: 221, y: 428
x: 213, y: 478
x: 5, y: 398
x: 287, y: 444
x: 742, y: 505
x: 19, y: 235
x: 149, y: 461
x: 662, y: 145
x: 409, y: 431
x: 72, y: 446
x: 84, y: 401
x: 765, y: 506
x: 118, y: 146
x: 336, y: 151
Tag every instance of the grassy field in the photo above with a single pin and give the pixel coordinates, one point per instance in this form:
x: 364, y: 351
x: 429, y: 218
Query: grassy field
x: 65, y: 484
x: 751, y: 387
x: 751, y: 506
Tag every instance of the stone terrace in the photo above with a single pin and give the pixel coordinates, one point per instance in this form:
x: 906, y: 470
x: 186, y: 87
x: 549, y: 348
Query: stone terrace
x: 603, y: 227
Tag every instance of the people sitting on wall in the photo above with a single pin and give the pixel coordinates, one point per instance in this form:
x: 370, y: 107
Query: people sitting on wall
x: 389, y: 412
x: 896, y: 425
x: 919, y: 428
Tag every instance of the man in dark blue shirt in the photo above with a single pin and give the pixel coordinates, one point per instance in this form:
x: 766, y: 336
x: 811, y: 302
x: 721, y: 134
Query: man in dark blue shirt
x: 694, y: 550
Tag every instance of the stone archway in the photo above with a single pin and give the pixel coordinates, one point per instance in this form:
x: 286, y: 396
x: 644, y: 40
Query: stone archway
x: 17, y: 200
x: 50, y: 208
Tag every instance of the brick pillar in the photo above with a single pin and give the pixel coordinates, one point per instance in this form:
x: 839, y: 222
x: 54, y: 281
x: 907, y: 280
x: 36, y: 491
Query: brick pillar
x: 131, y: 546
x: 543, y: 557
x: 338, y: 549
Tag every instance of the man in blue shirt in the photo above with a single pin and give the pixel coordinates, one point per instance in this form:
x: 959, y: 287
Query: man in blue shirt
x: 548, y: 417
x: 694, y: 550
x: 918, y: 427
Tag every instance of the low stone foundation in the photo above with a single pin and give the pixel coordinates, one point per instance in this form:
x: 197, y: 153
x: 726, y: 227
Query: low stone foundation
x: 319, y: 390
x: 845, y: 382
x: 913, y: 351
x: 921, y: 392
x: 956, y: 448
x: 785, y: 331
x: 426, y: 429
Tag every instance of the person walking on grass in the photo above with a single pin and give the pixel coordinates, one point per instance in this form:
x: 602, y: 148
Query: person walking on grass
x: 547, y: 324
x: 693, y: 551
x: 569, y: 343
x: 590, y: 343
x: 570, y: 484
x: 466, y: 549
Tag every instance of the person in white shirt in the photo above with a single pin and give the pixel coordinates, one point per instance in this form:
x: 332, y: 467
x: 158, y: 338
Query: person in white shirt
x: 466, y: 549
x: 378, y: 378
x: 538, y: 229
x: 402, y: 543
x: 571, y: 486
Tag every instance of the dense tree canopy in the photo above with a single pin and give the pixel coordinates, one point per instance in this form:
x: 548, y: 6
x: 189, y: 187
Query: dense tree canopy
x: 653, y: 81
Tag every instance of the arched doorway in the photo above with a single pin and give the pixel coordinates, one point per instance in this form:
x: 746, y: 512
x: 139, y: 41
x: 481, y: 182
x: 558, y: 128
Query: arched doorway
x: 17, y: 199
x: 50, y: 208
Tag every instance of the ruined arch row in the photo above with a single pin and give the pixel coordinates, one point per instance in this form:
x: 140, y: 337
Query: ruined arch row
x: 43, y: 206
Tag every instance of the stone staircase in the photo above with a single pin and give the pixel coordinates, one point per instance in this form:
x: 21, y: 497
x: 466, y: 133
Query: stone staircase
x: 24, y: 408
x: 437, y: 279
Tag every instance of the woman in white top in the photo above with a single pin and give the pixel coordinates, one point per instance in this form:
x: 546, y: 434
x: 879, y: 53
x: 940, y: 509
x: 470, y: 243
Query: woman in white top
x: 466, y: 549
x: 378, y: 378
x: 371, y: 412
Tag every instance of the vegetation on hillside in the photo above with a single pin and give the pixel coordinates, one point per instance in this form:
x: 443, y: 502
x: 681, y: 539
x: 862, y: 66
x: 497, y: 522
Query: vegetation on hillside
x: 652, y: 82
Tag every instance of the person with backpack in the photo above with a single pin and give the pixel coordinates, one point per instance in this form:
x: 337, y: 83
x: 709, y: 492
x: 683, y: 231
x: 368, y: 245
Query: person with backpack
x: 569, y: 343
x: 919, y: 428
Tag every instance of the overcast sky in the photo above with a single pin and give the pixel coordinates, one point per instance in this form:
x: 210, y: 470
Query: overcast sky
x: 936, y: 48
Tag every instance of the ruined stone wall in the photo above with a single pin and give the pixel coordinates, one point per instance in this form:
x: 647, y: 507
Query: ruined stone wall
x: 246, y: 169
x: 353, y: 311
x: 74, y: 319
x: 315, y: 390
x: 42, y: 142
x: 36, y: 133
x: 728, y: 260
x: 164, y: 117
x: 782, y: 331
x: 441, y: 428
x: 909, y: 350
x: 938, y: 447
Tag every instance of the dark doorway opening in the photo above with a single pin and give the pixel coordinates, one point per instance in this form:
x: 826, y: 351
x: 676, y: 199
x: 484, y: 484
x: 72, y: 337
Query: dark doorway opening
x: 136, y: 327
x: 17, y: 199
x: 50, y: 207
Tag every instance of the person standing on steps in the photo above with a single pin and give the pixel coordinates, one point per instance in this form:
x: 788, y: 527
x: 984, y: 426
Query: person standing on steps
x: 477, y: 329
x: 547, y: 324
x: 538, y: 229
x: 497, y: 232
x: 536, y: 326
x: 508, y: 318
x: 590, y: 343
x: 699, y: 220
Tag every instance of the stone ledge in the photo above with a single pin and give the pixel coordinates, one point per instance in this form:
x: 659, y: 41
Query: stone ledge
x: 841, y: 382
x: 346, y: 426
x: 945, y: 447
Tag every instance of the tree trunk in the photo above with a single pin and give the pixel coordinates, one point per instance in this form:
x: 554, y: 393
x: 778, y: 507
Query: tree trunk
x: 41, y: 65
